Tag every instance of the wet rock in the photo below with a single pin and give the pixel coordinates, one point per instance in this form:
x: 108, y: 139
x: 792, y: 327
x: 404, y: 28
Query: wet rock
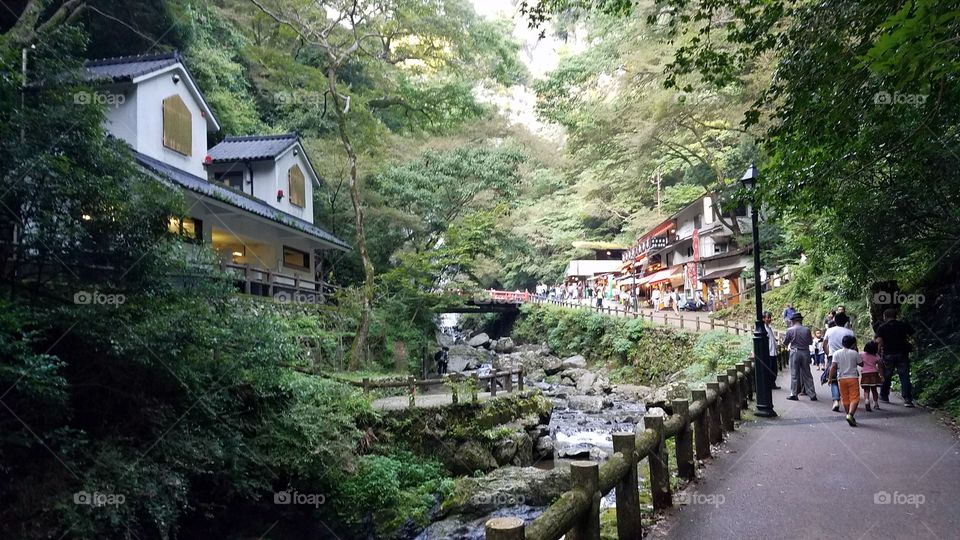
x: 576, y: 361
x: 479, y: 340
x: 552, y: 366
x: 505, y: 450
x: 585, y: 403
x: 544, y: 448
x: 504, y: 487
x: 463, y: 357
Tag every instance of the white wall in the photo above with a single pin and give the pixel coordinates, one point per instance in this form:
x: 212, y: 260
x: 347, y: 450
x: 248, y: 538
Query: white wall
x: 149, y: 100
x: 270, y: 176
x: 122, y: 113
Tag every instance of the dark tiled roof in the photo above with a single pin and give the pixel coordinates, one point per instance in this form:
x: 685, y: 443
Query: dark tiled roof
x: 239, y: 200
x: 128, y: 68
x: 252, y: 147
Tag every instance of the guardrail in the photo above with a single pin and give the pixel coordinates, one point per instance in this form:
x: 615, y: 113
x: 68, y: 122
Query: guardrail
x: 689, y: 322
x: 489, y: 382
x: 694, y: 425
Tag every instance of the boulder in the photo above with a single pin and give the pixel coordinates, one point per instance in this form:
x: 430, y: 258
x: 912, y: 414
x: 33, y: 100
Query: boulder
x: 507, y: 486
x: 479, y: 340
x: 585, y: 382
x: 632, y: 391
x: 585, y: 403
x: 552, y: 365
x: 544, y: 448
x: 445, y: 340
x: 463, y: 357
x: 472, y: 456
x: 505, y: 450
x: 575, y: 361
x: 504, y: 345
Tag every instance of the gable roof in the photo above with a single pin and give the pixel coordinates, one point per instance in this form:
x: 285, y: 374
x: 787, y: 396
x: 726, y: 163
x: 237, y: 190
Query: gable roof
x: 239, y: 200
x: 252, y: 147
x: 136, y: 68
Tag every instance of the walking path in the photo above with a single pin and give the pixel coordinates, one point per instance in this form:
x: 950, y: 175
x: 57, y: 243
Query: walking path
x: 807, y: 474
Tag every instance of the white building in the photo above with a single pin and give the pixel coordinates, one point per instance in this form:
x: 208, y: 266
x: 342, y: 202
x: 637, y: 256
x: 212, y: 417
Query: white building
x: 249, y: 198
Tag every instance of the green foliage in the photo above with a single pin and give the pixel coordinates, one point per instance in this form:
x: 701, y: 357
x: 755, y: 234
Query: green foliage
x: 393, y: 490
x: 636, y: 351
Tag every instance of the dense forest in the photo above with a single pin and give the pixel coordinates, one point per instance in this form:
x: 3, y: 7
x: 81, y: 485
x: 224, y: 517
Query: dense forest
x: 204, y: 403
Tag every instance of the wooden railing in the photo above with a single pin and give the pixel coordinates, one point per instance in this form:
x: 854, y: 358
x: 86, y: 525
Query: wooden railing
x: 695, y: 424
x: 489, y: 382
x: 277, y: 285
x: 688, y: 321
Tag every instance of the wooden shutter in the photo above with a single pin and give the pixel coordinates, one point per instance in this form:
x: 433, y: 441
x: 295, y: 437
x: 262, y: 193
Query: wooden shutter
x: 177, y: 125
x: 296, y: 186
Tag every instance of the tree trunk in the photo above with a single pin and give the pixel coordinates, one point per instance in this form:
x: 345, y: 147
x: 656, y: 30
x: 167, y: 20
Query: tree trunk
x: 359, y: 348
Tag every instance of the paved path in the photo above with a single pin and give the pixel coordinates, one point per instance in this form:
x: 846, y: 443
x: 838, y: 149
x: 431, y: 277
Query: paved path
x: 807, y: 474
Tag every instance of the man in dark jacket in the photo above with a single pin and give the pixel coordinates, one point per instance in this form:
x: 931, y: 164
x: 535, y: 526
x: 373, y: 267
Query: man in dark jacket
x: 894, y: 338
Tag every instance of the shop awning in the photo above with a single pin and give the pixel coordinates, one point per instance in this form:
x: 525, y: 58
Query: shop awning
x: 722, y: 274
x: 662, y: 275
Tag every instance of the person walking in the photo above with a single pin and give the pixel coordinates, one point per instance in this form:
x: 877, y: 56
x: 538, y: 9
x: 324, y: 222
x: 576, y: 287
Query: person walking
x: 788, y: 314
x: 655, y: 296
x: 844, y: 369
x: 833, y: 343
x: 895, y: 347
x: 870, y: 373
x: 816, y: 350
x: 771, y: 348
x: 675, y: 299
x: 798, y: 340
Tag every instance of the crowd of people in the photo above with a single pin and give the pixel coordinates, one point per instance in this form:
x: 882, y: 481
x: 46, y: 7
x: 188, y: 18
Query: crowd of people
x: 846, y: 368
x: 664, y: 297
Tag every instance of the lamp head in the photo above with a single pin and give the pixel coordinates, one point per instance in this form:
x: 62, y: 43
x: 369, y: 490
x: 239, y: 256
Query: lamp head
x: 750, y: 177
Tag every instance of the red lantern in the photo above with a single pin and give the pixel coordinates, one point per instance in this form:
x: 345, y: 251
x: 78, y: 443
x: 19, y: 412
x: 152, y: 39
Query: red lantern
x: 208, y: 159
x: 279, y: 195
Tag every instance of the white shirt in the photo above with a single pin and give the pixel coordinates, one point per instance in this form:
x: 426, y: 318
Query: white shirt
x: 834, y: 338
x: 771, y: 341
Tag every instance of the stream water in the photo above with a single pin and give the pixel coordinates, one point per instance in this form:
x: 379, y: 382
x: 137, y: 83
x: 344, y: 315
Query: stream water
x: 577, y: 435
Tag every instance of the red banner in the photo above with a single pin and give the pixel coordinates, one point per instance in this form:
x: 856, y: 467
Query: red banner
x: 696, y: 245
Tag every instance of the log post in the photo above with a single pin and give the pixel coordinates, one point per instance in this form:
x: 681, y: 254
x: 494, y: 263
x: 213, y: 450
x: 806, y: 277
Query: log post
x: 701, y: 426
x: 366, y: 385
x: 493, y: 383
x: 504, y: 528
x: 684, y: 441
x: 742, y: 378
x: 716, y: 428
x: 411, y: 382
x: 246, y: 279
x: 726, y: 404
x: 520, y: 379
x: 698, y: 324
x: 748, y: 388
x: 628, y: 495
x: 508, y: 381
x: 713, y: 323
x: 736, y: 400
x: 475, y: 387
x: 659, y: 462
x: 585, y: 476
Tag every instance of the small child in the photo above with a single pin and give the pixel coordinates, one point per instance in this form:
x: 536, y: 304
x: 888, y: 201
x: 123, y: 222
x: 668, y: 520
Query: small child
x: 871, y: 373
x: 844, y: 368
x: 816, y: 350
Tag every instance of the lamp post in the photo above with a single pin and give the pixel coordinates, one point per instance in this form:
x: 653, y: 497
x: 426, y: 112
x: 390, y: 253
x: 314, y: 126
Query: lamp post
x: 762, y: 361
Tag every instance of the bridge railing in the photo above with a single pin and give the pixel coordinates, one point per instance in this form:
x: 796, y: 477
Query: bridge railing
x: 694, y: 425
x: 488, y: 382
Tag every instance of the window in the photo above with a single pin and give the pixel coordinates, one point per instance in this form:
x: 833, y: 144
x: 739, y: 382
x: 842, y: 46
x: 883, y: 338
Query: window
x: 177, y: 125
x: 232, y: 179
x: 697, y: 221
x: 296, y: 184
x: 190, y: 229
x: 690, y: 251
x: 294, y: 258
x: 720, y: 247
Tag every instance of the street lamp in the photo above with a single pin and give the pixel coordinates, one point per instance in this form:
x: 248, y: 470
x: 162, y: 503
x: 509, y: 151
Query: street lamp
x: 762, y: 363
